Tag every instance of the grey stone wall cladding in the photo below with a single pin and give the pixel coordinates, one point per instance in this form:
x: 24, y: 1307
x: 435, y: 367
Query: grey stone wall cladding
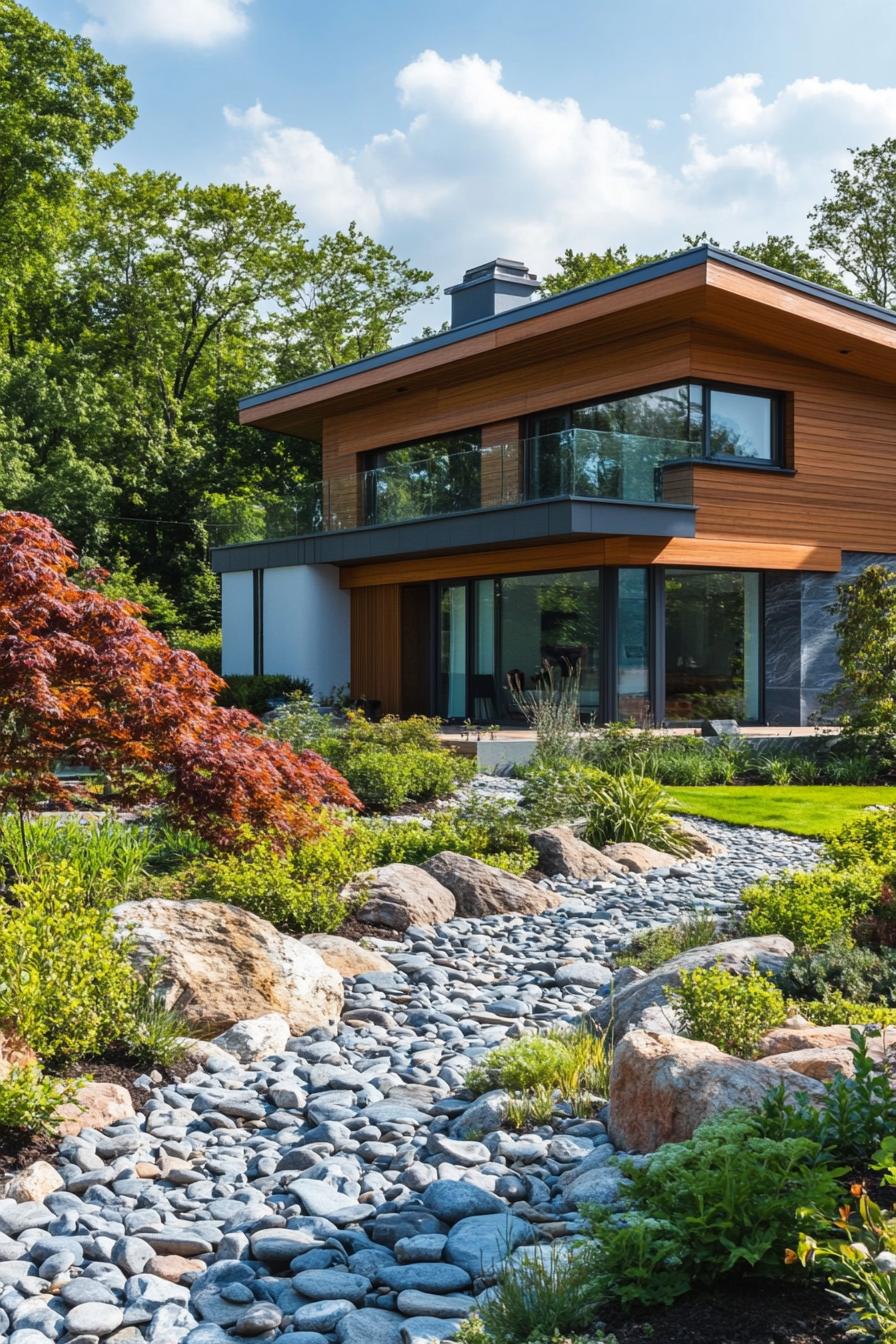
x: 800, y: 644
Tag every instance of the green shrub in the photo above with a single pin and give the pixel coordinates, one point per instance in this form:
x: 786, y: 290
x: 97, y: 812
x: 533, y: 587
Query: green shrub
x: 29, y: 1102
x: 482, y: 830
x: 387, y: 763
x: 856, y: 1115
x: 553, y: 790
x: 64, y: 981
x: 870, y: 838
x: 841, y: 970
x: 108, y: 857
x: 812, y: 908
x: 722, y: 1201
x: 573, y: 1062
x: 547, y: 1292
x: 255, y: 693
x: 268, y: 884
x: 732, y: 1012
x: 206, y: 644
x: 652, y: 948
x: 836, y: 1010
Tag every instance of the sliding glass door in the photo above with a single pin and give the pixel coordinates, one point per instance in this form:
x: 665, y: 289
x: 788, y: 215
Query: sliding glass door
x: 453, y: 651
x: 549, y: 630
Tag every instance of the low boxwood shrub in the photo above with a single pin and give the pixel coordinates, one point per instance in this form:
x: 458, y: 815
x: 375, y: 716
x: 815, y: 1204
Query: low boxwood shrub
x: 813, y: 908
x: 730, y: 1011
x: 298, y: 891
x: 255, y: 693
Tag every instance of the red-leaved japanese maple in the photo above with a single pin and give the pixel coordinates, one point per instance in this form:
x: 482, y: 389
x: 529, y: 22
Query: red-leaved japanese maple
x: 83, y: 679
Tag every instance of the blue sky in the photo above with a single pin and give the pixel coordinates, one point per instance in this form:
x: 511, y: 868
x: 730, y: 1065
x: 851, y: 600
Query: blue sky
x: 458, y: 131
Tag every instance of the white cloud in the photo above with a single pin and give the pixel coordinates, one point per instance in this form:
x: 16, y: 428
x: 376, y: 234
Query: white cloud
x: 473, y: 169
x: 655, y: 123
x: 191, y: 23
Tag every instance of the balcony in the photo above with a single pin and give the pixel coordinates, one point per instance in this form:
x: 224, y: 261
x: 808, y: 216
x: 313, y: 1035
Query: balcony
x: 576, y: 465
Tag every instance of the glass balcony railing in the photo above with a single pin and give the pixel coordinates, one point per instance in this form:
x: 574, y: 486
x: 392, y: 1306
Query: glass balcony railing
x: 581, y: 463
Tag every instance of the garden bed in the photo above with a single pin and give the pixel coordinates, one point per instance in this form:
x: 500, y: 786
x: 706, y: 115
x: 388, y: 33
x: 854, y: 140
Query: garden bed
x: 747, y: 1312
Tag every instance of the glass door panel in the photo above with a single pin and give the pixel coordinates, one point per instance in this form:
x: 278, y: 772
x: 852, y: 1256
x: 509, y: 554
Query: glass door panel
x: 712, y: 644
x: 550, y: 624
x: 453, y: 651
x: 633, y: 640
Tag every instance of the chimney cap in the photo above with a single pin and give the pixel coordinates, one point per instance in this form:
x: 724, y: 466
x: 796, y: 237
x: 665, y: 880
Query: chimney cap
x: 501, y: 268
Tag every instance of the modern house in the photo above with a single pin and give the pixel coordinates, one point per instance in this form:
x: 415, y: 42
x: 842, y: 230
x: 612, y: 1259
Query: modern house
x: 659, y: 479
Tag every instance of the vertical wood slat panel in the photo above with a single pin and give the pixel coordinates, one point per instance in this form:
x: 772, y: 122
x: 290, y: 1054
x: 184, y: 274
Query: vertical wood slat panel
x: 376, y: 645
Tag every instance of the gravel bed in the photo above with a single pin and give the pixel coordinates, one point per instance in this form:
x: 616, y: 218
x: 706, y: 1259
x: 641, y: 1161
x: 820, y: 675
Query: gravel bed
x: 343, y: 1191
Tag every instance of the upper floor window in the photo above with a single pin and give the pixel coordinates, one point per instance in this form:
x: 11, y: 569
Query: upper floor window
x: 423, y: 479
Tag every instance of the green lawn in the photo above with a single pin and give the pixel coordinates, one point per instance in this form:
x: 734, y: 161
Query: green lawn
x: 818, y: 809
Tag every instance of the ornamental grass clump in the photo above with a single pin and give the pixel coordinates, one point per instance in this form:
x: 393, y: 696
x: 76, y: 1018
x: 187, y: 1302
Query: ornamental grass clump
x: 565, y: 1064
x: 730, y: 1011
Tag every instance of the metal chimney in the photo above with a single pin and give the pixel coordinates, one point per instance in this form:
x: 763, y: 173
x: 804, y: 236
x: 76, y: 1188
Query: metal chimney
x: 490, y: 289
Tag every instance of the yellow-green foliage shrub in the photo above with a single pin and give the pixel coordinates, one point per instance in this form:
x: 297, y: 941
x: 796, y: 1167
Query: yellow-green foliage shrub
x: 65, y: 982
x: 812, y: 908
x: 869, y: 839
x: 732, y: 1012
x: 30, y: 1103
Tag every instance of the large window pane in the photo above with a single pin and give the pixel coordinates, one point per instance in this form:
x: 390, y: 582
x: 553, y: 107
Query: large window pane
x: 740, y: 425
x: 453, y: 651
x: 712, y: 644
x: 421, y: 480
x: 551, y: 621
x: 633, y: 686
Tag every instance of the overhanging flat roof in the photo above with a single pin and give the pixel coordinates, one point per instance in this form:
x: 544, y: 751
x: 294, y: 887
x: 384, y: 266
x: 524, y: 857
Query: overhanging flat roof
x: 480, y: 529
x: 528, y: 312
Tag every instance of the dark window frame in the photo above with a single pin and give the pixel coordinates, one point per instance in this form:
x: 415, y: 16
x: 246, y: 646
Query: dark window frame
x: 609, y: 688
x: 775, y: 397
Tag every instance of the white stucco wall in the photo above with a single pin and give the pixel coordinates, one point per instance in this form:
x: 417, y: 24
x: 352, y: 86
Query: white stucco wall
x: 306, y: 625
x: 236, y: 623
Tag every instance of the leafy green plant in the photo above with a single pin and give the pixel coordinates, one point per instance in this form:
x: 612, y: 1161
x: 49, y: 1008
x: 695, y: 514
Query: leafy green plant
x: 282, y: 888
x: 108, y: 856
x: 483, y: 830
x: 652, y: 948
x: 29, y: 1102
x: 730, y: 1011
x: 837, y: 1010
x: 206, y: 644
x: 65, y: 981
x: 812, y: 908
x: 855, y: 1249
x: 255, y: 693
x: 856, y: 1115
x: 865, y: 625
x: 572, y: 1063
x: 724, y: 1200
x: 870, y: 838
x: 542, y: 1292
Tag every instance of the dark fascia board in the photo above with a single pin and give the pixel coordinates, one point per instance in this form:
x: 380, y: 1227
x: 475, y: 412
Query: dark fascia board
x: 638, y: 275
x: 540, y: 520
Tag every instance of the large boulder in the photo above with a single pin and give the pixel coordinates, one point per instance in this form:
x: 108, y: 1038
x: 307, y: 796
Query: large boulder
x: 400, y: 894
x: 221, y: 965
x: 823, y: 1063
x: 697, y: 842
x: 643, y: 1003
x: 784, y: 1040
x: 662, y: 1087
x: 345, y: 955
x: 255, y: 1038
x: 480, y: 890
x: 636, y: 858
x: 561, y: 853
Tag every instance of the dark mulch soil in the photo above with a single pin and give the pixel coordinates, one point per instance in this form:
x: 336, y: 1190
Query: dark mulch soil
x: 744, y: 1313
x: 353, y: 928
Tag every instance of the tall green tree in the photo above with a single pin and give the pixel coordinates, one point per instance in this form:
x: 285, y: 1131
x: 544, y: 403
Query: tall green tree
x: 60, y: 101
x: 856, y: 226
x: 584, y: 268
